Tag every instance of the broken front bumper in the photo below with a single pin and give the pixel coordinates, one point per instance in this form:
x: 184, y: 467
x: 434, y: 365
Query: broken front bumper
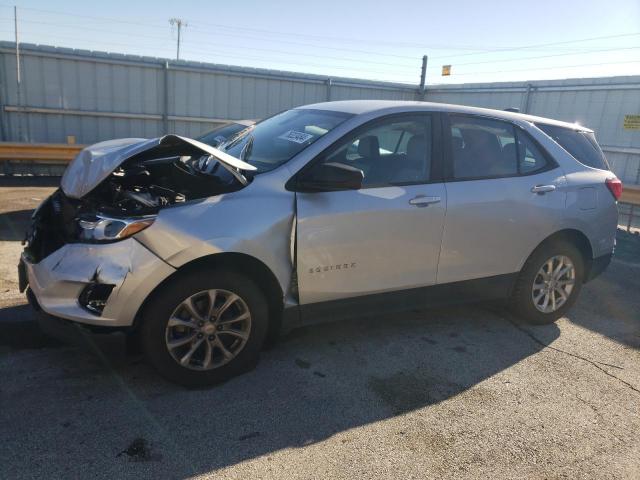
x: 59, y: 280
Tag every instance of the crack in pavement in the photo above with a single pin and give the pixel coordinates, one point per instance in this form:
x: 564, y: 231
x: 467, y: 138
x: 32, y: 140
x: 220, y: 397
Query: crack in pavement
x: 584, y: 359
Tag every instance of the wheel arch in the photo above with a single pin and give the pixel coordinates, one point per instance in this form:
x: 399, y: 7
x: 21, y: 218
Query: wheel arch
x: 576, y: 238
x: 241, y: 263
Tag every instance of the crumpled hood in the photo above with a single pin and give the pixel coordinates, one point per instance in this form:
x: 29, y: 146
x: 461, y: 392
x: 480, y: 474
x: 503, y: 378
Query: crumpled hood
x: 96, y: 162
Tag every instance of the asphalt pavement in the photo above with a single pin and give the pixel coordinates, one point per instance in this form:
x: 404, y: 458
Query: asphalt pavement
x: 464, y: 392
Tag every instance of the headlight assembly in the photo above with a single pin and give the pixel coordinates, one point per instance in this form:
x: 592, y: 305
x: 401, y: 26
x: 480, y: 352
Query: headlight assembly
x: 99, y: 228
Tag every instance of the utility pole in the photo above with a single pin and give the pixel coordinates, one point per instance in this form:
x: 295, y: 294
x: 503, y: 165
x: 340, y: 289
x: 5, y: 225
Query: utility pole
x: 178, y: 22
x: 18, y: 76
x: 423, y: 75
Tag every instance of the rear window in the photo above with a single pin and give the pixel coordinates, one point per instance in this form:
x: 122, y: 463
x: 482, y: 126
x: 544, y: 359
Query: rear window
x: 580, y: 144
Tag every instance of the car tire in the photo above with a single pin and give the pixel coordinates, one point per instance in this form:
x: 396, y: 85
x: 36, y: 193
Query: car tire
x: 184, y: 300
x: 528, y: 300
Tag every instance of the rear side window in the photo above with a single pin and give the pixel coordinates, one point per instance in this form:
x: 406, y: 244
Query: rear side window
x: 581, y: 145
x: 531, y: 159
x: 482, y: 148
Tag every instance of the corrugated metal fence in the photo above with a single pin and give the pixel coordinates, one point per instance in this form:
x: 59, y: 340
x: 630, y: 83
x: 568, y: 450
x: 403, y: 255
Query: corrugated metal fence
x: 96, y: 96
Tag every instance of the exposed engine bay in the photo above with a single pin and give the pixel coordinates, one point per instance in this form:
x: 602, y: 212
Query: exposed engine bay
x: 172, y: 171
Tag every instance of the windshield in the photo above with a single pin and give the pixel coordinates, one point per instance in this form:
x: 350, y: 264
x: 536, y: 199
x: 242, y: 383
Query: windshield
x: 276, y: 140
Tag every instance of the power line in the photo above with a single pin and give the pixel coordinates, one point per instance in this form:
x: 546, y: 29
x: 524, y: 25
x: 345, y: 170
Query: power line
x: 343, y: 39
x: 92, y: 40
x: 236, y: 32
x: 477, y: 52
x: 234, y: 27
x: 548, y: 56
x: 339, y: 67
x: 525, y: 47
x: 67, y: 14
x: 405, y: 67
x: 227, y: 34
x: 324, y: 47
x: 218, y: 44
x: 225, y: 54
x: 557, y: 67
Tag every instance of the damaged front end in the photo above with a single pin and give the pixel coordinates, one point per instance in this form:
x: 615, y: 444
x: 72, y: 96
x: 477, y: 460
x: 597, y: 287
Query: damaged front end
x: 78, y: 250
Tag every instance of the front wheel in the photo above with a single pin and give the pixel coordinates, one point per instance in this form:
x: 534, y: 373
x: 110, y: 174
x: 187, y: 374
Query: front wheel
x: 549, y: 283
x: 205, y: 327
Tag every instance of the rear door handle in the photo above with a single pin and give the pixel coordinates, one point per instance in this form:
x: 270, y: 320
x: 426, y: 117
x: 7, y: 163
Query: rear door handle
x: 423, y: 200
x: 543, y: 189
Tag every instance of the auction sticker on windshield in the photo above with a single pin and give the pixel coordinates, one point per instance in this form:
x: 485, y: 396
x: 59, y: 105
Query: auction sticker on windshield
x: 296, y: 137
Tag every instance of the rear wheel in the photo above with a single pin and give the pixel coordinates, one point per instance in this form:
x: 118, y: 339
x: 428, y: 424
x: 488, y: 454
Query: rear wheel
x: 549, y: 282
x: 204, y: 328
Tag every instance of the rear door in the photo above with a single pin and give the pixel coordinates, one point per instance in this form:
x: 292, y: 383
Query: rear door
x: 504, y: 196
x: 386, y: 236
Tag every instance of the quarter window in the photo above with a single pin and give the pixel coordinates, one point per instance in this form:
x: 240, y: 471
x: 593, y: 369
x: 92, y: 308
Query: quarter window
x: 482, y: 148
x: 580, y: 144
x: 391, y: 152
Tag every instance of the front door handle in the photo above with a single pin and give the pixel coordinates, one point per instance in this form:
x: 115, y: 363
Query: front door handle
x: 541, y: 189
x: 423, y: 200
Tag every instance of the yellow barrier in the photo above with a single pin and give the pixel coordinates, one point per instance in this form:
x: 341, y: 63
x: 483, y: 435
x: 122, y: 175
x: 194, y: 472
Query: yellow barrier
x: 38, y: 152
x: 630, y: 194
x: 64, y: 153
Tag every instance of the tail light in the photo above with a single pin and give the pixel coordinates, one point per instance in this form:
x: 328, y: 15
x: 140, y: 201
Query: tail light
x: 615, y: 187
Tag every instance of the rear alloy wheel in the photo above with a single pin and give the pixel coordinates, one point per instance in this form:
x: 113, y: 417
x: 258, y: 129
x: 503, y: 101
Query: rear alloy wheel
x: 549, y: 282
x: 553, y: 284
x: 205, y: 327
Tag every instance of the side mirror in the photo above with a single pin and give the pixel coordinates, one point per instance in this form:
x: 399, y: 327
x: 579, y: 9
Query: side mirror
x: 327, y: 177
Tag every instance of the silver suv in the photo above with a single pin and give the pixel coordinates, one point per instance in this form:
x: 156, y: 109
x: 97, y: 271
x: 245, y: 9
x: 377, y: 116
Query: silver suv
x: 320, y: 212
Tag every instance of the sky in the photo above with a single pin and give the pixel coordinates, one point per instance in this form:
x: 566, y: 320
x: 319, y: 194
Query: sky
x: 488, y: 40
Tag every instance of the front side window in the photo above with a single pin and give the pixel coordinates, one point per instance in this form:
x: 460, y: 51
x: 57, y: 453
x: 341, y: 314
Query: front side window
x: 394, y: 151
x: 278, y: 139
x: 482, y: 148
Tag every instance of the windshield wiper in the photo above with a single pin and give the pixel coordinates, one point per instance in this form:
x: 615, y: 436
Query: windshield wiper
x: 246, y: 150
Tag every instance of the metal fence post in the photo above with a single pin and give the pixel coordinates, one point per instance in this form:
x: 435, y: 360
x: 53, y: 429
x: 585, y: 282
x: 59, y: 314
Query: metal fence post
x: 527, y: 97
x: 165, y: 112
x: 329, y: 83
x: 423, y: 76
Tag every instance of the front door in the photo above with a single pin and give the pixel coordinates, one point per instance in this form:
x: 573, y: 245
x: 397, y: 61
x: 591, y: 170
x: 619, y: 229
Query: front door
x: 386, y: 236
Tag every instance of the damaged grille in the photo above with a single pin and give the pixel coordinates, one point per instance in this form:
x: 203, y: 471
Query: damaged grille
x: 52, y: 226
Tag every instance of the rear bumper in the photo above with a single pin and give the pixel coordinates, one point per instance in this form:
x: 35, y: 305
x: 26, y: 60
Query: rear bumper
x: 598, y: 265
x: 58, y: 280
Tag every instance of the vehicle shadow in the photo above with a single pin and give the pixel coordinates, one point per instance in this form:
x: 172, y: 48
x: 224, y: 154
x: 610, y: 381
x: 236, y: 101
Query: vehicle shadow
x: 13, y: 225
x: 317, y: 382
x: 610, y: 304
x: 29, y: 181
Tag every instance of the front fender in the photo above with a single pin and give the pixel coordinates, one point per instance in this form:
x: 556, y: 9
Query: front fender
x: 259, y: 225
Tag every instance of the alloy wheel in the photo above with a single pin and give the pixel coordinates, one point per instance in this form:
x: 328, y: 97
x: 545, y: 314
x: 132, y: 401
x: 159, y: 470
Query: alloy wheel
x: 208, y: 329
x: 553, y: 284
